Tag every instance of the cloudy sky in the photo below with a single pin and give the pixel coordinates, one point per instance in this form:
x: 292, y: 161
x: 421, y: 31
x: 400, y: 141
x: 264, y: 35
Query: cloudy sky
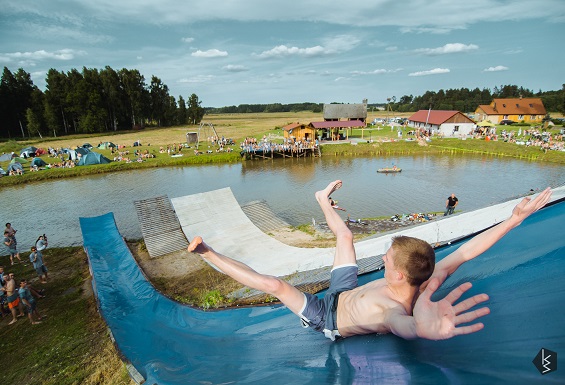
x: 263, y: 51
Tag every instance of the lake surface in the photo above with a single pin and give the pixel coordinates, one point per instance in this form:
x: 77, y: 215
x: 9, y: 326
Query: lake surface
x: 287, y: 185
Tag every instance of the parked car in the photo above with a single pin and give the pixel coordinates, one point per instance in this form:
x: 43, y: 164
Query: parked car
x: 507, y: 122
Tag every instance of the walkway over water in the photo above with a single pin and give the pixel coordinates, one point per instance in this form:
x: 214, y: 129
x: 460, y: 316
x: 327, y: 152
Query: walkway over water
x: 169, y: 343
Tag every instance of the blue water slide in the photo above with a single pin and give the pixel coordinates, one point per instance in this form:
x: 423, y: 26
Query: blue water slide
x: 170, y: 343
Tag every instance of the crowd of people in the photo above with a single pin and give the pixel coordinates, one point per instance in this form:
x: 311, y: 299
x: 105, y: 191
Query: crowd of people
x: 19, y: 298
x: 252, y: 145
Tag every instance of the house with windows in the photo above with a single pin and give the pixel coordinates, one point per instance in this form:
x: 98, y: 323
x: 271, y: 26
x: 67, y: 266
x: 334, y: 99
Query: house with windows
x: 528, y: 110
x: 444, y: 123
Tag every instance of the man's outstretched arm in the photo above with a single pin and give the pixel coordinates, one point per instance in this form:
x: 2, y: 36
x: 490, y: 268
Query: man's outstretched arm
x: 482, y: 242
x: 439, y: 320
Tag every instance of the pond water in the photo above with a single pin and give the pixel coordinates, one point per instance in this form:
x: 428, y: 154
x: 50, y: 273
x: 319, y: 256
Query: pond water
x: 287, y: 185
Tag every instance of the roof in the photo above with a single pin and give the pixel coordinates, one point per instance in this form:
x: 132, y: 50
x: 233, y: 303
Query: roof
x: 345, y: 111
x: 291, y: 126
x: 338, y: 124
x: 514, y: 106
x: 436, y: 117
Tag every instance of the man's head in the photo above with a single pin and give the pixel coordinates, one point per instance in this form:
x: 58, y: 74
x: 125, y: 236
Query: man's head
x: 453, y: 195
x: 8, y: 225
x: 33, y: 249
x: 6, y: 232
x: 23, y: 283
x: 9, y: 277
x: 413, y: 257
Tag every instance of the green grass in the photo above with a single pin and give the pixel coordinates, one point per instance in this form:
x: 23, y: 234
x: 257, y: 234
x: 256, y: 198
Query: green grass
x: 71, y: 345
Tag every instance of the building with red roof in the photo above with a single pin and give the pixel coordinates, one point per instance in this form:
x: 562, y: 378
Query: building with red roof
x: 445, y: 123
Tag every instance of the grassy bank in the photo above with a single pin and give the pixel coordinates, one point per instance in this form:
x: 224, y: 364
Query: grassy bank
x: 72, y: 344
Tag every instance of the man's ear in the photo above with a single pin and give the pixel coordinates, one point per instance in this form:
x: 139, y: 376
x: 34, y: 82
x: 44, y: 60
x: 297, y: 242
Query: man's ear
x: 399, y: 275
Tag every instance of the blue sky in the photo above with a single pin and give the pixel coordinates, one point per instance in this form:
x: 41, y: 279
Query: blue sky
x: 263, y: 51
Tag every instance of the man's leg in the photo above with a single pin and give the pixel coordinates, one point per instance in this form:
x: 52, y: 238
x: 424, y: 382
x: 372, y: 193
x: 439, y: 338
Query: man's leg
x: 285, y: 292
x: 344, y: 251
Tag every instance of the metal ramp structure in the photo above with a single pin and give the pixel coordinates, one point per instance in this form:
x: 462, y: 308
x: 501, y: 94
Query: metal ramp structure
x: 262, y: 216
x: 160, y: 226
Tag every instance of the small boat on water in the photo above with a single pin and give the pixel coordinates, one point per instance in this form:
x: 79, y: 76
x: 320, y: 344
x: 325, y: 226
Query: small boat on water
x: 387, y: 170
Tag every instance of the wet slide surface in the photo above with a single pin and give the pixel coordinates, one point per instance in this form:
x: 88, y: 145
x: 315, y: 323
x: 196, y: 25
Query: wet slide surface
x: 169, y: 343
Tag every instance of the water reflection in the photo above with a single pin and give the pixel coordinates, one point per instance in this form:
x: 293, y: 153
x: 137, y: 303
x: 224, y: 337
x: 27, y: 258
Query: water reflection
x: 287, y: 185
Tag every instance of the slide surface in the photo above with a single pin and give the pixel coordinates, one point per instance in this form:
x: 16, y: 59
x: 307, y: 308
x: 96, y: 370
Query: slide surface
x: 169, y: 343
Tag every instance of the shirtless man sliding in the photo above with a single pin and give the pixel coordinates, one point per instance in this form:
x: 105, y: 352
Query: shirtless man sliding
x: 400, y: 302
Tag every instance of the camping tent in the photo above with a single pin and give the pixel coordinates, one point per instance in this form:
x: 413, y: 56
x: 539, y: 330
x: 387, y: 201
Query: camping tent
x: 28, y: 151
x: 485, y: 123
x: 18, y: 159
x: 38, y: 162
x: 2, y: 172
x: 92, y: 158
x: 82, y: 150
x: 15, y: 167
x: 106, y: 145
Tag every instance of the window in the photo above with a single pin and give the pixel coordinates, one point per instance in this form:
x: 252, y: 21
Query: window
x: 505, y: 117
x: 520, y: 117
x: 503, y: 105
x: 531, y: 105
x: 456, y: 129
x: 533, y: 117
x: 517, y: 105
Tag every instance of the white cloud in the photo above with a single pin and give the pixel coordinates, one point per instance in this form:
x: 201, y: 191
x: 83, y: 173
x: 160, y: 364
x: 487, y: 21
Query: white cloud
x: 210, y: 53
x: 435, y: 71
x: 197, y: 79
x: 374, y: 72
x: 235, y: 68
x: 391, y: 49
x: 187, y: 39
x: 430, y: 30
x: 284, y: 51
x: 448, y: 49
x: 495, y: 69
x: 30, y: 58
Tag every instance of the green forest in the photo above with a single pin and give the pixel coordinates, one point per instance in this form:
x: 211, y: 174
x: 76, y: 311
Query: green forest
x: 92, y: 101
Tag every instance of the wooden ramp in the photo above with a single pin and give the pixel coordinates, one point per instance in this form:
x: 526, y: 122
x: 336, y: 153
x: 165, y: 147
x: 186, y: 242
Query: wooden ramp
x: 160, y: 226
x: 262, y: 216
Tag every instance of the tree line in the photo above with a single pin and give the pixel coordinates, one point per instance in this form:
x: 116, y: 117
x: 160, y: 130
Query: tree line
x: 89, y: 101
x: 107, y: 100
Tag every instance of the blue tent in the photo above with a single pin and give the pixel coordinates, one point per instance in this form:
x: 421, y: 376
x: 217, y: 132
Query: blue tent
x: 38, y: 162
x: 92, y: 158
x: 15, y: 167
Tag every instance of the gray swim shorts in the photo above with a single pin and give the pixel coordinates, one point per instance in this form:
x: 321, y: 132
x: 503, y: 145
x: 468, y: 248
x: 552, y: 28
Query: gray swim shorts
x: 320, y: 313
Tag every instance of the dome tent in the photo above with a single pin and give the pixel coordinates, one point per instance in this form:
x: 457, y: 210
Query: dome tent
x: 92, y: 158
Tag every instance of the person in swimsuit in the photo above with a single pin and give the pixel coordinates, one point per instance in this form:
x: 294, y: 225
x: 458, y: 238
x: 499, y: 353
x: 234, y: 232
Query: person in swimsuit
x: 399, y: 302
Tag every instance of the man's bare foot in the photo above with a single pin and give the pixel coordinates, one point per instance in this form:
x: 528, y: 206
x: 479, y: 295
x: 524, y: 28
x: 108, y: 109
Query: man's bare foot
x: 324, y: 194
x: 13, y: 321
x: 198, y: 246
x: 36, y: 322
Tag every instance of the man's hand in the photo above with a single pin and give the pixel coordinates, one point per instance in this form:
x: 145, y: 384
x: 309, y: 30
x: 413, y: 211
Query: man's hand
x: 529, y: 206
x: 439, y: 320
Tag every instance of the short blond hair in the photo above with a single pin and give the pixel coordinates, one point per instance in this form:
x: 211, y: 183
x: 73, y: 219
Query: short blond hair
x: 414, y: 257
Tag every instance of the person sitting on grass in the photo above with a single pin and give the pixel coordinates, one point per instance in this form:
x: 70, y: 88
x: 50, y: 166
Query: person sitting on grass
x: 400, y: 303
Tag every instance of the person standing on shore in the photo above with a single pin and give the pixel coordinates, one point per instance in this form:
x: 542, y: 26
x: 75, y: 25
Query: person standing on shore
x: 450, y: 204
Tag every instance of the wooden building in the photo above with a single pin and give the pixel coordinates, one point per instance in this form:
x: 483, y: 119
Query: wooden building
x: 299, y: 132
x: 528, y: 110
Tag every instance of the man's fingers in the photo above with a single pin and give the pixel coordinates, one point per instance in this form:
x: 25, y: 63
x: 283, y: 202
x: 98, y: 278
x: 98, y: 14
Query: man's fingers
x: 456, y: 293
x: 468, y: 329
x: 471, y: 315
x: 433, y: 284
x: 469, y: 303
